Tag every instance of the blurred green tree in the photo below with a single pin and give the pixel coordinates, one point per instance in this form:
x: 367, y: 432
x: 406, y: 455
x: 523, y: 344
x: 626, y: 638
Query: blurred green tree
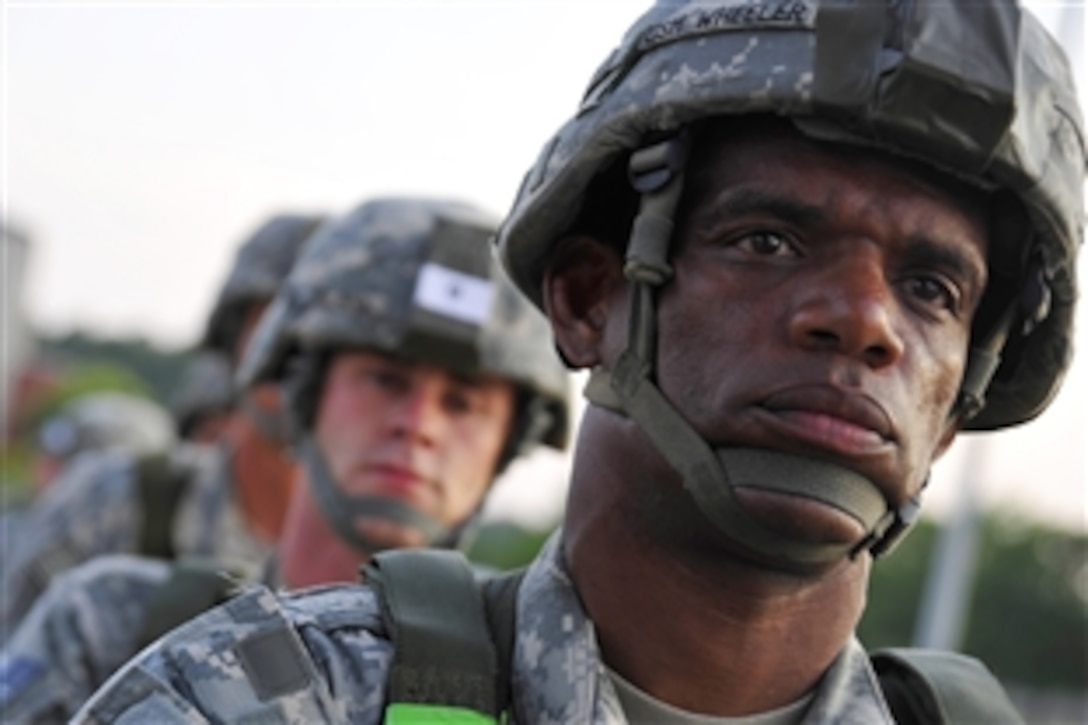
x: 1027, y: 619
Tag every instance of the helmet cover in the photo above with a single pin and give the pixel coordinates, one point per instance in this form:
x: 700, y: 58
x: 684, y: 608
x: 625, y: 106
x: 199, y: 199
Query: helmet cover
x: 979, y: 91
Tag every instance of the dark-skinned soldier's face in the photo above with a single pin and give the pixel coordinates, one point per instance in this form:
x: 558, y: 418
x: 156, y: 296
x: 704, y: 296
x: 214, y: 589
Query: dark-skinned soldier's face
x: 822, y: 306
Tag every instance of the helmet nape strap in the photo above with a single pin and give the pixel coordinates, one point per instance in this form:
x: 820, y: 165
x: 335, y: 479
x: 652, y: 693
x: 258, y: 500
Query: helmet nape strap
x: 343, y: 510
x: 711, y: 476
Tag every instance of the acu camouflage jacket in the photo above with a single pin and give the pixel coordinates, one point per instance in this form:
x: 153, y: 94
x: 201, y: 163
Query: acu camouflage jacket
x: 323, y: 655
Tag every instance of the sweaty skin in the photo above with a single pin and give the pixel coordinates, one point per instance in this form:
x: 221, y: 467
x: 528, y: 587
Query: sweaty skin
x: 822, y: 306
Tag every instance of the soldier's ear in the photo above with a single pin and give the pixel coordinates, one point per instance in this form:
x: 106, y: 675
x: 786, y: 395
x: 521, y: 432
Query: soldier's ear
x: 581, y: 287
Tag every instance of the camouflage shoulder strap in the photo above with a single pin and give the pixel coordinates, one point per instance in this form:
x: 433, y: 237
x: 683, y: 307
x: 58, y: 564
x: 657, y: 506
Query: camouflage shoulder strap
x: 929, y: 686
x: 193, y: 587
x: 160, y: 485
x: 453, y: 637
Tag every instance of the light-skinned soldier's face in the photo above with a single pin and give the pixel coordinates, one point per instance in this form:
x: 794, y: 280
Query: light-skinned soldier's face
x: 417, y: 433
x: 822, y: 306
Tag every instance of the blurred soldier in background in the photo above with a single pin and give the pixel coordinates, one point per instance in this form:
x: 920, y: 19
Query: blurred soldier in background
x: 100, y: 423
x: 193, y: 501
x: 91, y: 425
x: 204, y: 399
x: 801, y: 245
x: 414, y: 373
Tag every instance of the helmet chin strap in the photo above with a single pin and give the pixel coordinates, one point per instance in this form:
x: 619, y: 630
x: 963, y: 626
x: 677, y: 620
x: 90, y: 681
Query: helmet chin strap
x: 713, y: 477
x: 342, y: 510
x: 272, y: 426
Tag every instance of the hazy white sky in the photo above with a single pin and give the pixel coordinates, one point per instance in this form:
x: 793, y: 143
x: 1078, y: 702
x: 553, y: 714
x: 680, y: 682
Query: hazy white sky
x: 142, y: 141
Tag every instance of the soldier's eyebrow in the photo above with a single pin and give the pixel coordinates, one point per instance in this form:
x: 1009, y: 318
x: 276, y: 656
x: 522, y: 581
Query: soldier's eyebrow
x: 743, y: 201
x: 469, y: 379
x: 959, y: 259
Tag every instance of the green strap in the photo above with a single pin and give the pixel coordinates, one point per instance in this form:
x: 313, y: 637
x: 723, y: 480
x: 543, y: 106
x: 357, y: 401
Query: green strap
x: 930, y: 687
x: 403, y: 713
x: 159, y: 486
x: 434, y: 613
x: 194, y: 586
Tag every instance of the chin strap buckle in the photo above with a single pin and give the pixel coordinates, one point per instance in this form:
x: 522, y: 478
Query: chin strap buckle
x: 891, y: 529
x: 656, y: 172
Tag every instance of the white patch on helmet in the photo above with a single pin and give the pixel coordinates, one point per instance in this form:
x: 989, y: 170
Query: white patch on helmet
x: 453, y: 294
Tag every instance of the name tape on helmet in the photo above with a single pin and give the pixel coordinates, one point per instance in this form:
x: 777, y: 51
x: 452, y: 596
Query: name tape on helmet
x: 730, y: 15
x: 453, y: 294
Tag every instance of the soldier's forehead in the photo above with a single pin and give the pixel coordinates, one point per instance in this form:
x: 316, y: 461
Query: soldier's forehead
x: 722, y: 134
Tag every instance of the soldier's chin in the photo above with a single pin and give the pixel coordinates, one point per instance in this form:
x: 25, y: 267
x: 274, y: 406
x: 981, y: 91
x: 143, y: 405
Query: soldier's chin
x: 800, y: 518
x: 387, y: 534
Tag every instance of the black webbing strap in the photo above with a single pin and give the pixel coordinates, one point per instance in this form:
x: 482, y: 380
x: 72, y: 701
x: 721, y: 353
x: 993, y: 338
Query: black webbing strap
x: 159, y: 486
x: 501, y: 599
x: 434, y: 612
x: 928, y: 687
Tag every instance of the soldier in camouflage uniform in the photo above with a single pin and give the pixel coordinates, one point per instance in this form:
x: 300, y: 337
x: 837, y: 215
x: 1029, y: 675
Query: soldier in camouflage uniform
x: 108, y: 422
x: 406, y: 355
x: 414, y: 374
x: 801, y: 244
x: 223, y: 503
x: 95, y: 422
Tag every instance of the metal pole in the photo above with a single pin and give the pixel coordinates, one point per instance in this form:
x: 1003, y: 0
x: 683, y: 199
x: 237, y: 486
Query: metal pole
x: 950, y: 582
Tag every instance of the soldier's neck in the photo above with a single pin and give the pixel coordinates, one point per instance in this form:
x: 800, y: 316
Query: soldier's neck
x: 676, y: 613
x: 262, y: 473
x: 310, y: 552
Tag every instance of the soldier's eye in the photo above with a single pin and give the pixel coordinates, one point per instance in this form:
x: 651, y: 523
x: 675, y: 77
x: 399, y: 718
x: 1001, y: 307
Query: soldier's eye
x: 766, y: 244
x: 933, y: 291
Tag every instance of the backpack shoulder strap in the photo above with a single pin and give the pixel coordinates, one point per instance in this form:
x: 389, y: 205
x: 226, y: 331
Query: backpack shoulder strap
x: 446, y: 665
x: 193, y: 587
x: 500, y: 602
x: 930, y: 686
x: 160, y: 485
x: 443, y: 656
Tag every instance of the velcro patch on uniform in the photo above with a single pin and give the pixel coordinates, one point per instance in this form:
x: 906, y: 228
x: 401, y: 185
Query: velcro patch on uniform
x: 275, y: 662
x: 451, y: 293
x: 729, y: 15
x: 15, y: 674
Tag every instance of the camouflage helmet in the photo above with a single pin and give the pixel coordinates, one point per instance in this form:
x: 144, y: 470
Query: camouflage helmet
x: 978, y: 90
x: 260, y: 266
x: 206, y: 388
x: 413, y: 277
x: 107, y: 421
